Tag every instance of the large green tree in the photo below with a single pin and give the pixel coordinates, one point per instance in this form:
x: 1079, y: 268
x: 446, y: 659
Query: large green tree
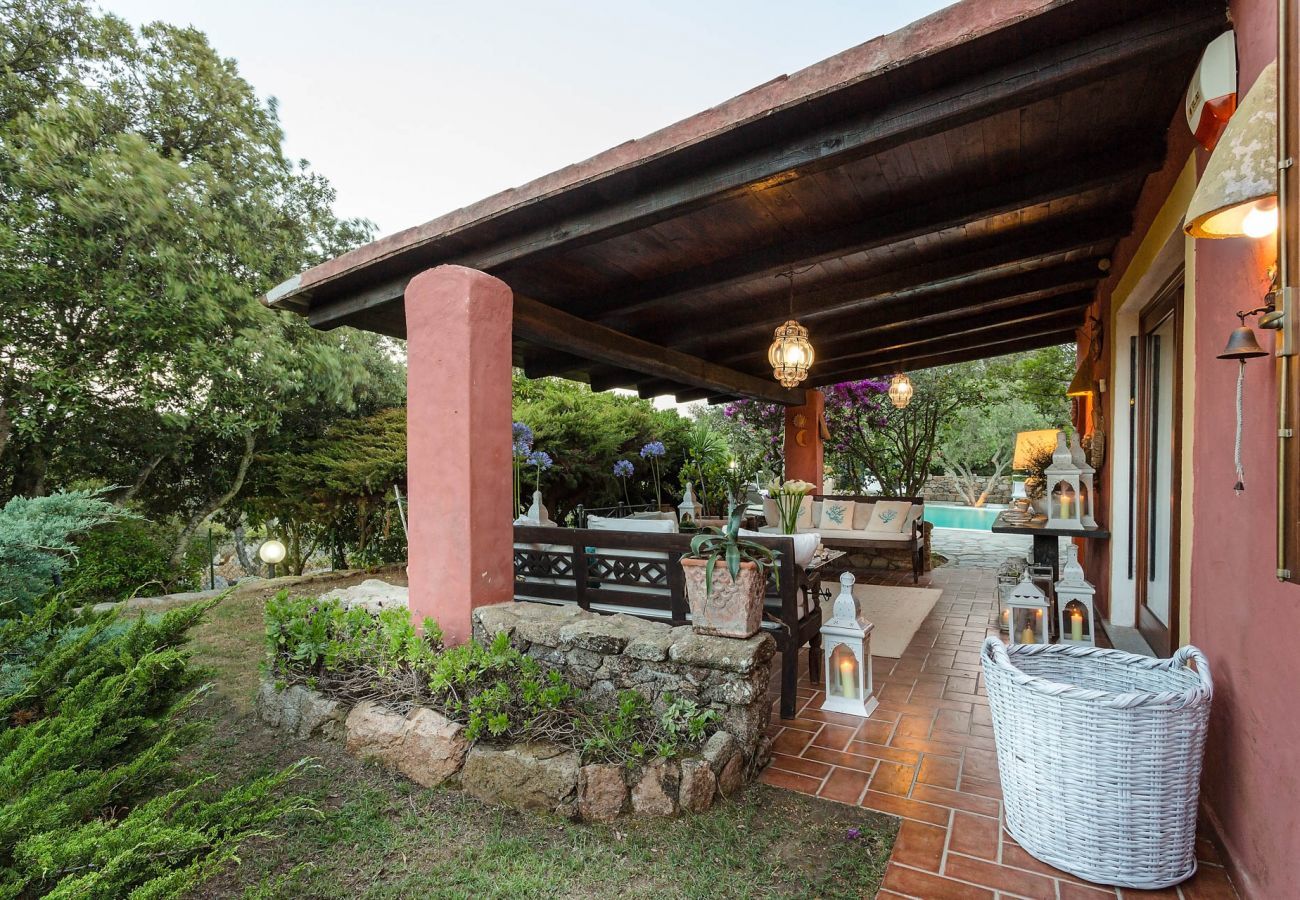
x: 145, y: 203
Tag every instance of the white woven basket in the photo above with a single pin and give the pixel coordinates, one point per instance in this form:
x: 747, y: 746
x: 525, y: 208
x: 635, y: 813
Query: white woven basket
x: 1100, y: 757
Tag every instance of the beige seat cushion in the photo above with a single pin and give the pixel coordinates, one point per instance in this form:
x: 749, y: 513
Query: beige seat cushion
x: 852, y: 534
x: 862, y: 512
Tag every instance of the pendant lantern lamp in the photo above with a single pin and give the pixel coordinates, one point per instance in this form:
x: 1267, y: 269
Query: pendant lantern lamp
x: 1237, y: 195
x: 791, y: 353
x: 900, y: 391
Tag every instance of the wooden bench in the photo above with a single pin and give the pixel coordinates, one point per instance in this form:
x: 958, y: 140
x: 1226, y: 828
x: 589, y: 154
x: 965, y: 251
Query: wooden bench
x: 640, y: 574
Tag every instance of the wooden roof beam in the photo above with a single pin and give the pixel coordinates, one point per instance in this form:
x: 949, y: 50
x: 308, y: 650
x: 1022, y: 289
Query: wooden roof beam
x: 1004, y: 253
x: 1056, y: 182
x: 541, y: 324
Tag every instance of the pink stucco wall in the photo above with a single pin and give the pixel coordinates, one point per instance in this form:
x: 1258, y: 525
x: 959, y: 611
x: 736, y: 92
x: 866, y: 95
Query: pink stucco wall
x: 1241, y: 616
x: 458, y: 445
x: 804, y: 460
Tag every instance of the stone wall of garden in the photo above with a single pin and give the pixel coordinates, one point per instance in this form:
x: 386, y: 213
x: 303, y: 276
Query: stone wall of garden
x: 601, y: 656
x: 944, y: 489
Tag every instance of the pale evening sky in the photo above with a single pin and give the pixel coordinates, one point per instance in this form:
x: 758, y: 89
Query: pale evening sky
x: 413, y: 109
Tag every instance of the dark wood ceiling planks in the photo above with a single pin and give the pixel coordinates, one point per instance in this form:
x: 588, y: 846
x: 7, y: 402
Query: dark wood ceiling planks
x: 961, y: 203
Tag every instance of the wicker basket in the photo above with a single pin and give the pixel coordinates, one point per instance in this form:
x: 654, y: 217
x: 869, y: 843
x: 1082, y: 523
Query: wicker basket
x: 1100, y: 757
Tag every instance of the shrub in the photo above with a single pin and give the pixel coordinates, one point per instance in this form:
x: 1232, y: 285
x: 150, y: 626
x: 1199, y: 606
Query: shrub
x: 89, y: 728
x: 129, y: 558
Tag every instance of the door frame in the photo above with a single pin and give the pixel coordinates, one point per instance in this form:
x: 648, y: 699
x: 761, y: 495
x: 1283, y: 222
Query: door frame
x: 1166, y: 304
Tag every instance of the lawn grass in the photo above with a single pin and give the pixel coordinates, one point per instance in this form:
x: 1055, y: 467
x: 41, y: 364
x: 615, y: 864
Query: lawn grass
x: 378, y: 835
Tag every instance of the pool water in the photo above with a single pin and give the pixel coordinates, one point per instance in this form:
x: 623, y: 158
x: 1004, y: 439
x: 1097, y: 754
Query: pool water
x: 968, y: 517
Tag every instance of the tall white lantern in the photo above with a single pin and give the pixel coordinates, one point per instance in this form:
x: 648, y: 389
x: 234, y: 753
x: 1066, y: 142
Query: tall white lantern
x: 1030, y: 613
x: 1074, y: 600
x: 846, y: 649
x: 1087, y: 498
x: 687, y: 510
x: 1063, y: 488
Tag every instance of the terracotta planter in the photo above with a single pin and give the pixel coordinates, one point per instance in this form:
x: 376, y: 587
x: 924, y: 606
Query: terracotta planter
x: 734, y: 609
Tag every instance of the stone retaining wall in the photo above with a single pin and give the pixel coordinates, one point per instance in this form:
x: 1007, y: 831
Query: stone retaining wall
x: 601, y: 656
x: 943, y: 489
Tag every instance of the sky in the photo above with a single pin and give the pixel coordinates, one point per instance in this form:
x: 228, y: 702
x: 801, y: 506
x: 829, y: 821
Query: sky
x: 413, y: 109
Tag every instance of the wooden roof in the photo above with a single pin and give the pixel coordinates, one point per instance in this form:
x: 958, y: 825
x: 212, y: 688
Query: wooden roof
x: 947, y: 192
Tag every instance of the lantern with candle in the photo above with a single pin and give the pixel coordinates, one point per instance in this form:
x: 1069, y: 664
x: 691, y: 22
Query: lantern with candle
x: 1086, y: 482
x: 846, y: 649
x: 1064, y: 488
x: 1008, y: 577
x: 1030, y: 613
x: 1074, y: 596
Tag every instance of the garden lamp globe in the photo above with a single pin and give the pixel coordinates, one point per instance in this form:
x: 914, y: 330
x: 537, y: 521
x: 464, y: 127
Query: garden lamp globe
x: 271, y: 552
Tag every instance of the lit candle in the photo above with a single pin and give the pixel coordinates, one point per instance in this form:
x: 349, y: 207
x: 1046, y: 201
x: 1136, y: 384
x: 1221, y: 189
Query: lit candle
x: 1027, y: 636
x: 1006, y: 618
x: 1076, y: 626
x: 1065, y: 506
x: 848, y: 678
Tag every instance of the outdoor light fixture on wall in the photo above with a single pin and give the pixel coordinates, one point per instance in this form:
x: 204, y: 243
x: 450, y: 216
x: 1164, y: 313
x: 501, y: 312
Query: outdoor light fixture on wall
x: 791, y: 354
x: 900, y: 391
x: 1237, y: 195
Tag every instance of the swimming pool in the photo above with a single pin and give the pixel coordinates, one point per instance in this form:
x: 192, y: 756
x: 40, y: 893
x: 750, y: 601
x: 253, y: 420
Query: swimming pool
x: 942, y: 515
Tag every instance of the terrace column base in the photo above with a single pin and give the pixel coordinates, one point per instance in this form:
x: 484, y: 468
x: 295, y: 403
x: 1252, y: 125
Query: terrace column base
x: 803, y: 439
x: 458, y: 415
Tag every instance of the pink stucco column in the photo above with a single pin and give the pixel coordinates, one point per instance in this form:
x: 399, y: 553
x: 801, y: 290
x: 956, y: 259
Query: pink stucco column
x: 803, y: 439
x: 458, y: 410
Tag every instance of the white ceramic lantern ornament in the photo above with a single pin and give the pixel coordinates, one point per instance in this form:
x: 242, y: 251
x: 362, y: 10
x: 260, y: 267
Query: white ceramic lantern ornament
x: 1074, y: 600
x: 687, y: 509
x: 846, y: 649
x: 1063, y: 488
x: 1086, y: 478
x: 1030, y: 613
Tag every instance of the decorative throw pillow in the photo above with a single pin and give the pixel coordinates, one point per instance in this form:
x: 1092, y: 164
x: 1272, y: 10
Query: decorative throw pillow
x: 890, y: 516
x: 862, y: 513
x: 771, y: 513
x: 837, y: 514
x: 805, y: 520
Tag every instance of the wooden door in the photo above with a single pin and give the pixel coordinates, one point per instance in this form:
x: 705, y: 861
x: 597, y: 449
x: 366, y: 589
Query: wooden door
x: 1159, y: 399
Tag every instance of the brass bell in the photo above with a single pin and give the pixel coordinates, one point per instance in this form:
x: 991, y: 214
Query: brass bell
x: 1242, y: 344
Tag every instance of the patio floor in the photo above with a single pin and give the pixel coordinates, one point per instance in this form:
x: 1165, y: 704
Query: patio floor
x: 927, y: 756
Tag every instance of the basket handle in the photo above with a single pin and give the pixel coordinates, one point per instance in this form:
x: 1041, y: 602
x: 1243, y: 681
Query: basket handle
x: 1192, y: 654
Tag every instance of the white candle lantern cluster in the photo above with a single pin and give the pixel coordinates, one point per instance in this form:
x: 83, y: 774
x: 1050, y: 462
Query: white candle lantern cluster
x: 1074, y: 600
x: 1086, y: 475
x: 1064, y: 486
x: 1030, y: 613
x: 846, y: 649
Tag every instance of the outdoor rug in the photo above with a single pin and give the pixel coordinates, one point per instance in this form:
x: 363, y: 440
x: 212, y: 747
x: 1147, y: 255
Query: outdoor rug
x: 897, y: 612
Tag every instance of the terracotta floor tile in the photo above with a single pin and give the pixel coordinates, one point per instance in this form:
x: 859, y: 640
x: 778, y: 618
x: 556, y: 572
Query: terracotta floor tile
x: 874, y: 732
x: 983, y: 787
x: 891, y: 778
x: 834, y: 737
x: 952, y: 720
x: 844, y: 785
x: 915, y: 726
x: 800, y: 765
x: 791, y: 742
x: 915, y: 883
x: 1015, y: 855
x: 1014, y: 881
x: 1209, y: 883
x: 889, y: 754
x: 790, y: 781
x: 920, y: 846
x: 940, y: 771
x: 1069, y: 891
x: 842, y: 759
x: 905, y: 808
x: 920, y: 745
x: 974, y: 836
x: 956, y: 800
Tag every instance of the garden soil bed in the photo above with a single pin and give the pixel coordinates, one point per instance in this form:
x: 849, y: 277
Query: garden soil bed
x: 377, y: 834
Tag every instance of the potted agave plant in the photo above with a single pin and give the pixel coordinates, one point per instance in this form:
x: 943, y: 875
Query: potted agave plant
x: 725, y: 579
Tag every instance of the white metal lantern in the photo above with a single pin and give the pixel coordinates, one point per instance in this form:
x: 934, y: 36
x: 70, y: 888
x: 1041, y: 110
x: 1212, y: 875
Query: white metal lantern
x: 846, y: 649
x: 1074, y: 600
x: 687, y: 510
x: 1063, y: 488
x: 1008, y: 577
x: 1030, y: 613
x: 900, y: 391
x: 1087, y: 494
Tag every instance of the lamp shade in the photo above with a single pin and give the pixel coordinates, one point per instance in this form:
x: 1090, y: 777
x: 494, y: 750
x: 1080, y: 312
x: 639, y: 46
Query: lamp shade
x: 1237, y: 194
x: 1028, y: 443
x: 1080, y: 384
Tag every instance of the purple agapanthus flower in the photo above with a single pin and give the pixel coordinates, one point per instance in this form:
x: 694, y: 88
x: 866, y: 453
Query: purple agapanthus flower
x: 852, y: 834
x: 541, y: 459
x: 624, y: 468
x: 522, y: 437
x: 653, y: 450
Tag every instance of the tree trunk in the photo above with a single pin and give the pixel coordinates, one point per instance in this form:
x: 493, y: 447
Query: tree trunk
x: 241, y: 552
x: 216, y: 504
x: 124, y: 497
